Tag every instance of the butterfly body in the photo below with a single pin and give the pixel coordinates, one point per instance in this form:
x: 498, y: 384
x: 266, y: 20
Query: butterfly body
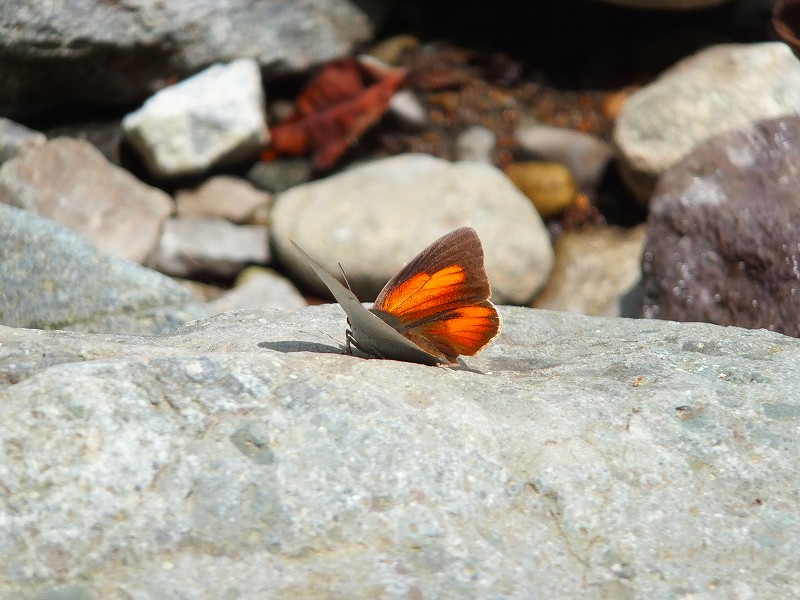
x: 435, y: 309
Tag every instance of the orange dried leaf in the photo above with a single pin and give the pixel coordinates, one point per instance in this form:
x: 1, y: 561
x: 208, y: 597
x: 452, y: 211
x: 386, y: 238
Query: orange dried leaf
x: 344, y: 100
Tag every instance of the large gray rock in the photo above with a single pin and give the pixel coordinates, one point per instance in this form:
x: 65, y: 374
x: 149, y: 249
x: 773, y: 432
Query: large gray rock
x: 245, y: 457
x: 71, y: 182
x: 51, y: 278
x: 724, y: 232
x: 82, y: 51
x: 376, y: 217
x: 723, y: 87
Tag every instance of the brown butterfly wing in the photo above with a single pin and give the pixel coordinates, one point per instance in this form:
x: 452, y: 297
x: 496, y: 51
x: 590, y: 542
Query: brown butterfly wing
x: 440, y: 300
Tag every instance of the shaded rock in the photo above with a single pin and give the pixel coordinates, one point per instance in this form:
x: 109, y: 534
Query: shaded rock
x: 70, y: 182
x: 721, y: 88
x: 476, y: 144
x: 585, y: 155
x: 259, y: 288
x: 209, y: 247
x: 53, y: 54
x: 243, y: 456
x: 280, y: 174
x: 549, y: 186
x: 594, y: 270
x: 52, y: 278
x: 229, y: 198
x: 724, y: 232
x: 376, y: 217
x: 216, y: 117
x: 16, y: 139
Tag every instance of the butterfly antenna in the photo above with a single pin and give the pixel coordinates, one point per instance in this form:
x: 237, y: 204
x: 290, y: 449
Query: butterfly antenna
x: 347, y: 283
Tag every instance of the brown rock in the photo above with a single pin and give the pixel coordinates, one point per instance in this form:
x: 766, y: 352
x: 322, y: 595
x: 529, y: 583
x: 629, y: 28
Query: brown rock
x: 593, y: 271
x: 724, y: 232
x: 70, y: 182
x: 230, y: 198
x: 549, y: 186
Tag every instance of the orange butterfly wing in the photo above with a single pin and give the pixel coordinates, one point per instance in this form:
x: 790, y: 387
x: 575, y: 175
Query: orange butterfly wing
x: 440, y: 300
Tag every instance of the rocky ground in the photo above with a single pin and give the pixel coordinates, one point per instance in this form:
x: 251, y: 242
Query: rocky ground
x: 615, y: 161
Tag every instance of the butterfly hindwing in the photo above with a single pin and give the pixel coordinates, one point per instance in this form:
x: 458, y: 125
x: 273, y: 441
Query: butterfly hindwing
x: 440, y: 300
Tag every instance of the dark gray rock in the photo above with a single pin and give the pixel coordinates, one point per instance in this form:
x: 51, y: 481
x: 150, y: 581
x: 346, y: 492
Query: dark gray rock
x: 51, y: 278
x: 56, y: 52
x: 243, y: 456
x: 724, y: 232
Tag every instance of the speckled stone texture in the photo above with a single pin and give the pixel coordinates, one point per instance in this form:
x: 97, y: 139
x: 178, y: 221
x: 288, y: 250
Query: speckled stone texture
x: 724, y: 232
x: 245, y: 457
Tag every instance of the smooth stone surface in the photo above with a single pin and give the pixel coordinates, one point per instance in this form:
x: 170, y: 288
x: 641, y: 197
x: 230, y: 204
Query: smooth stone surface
x: 69, y: 181
x: 94, y: 51
x: 259, y: 288
x: 16, y: 139
x: 245, y: 457
x: 51, y: 278
x: 723, y: 87
x: 230, y: 198
x: 724, y: 240
x: 214, y: 118
x: 585, y: 155
x: 548, y: 185
x: 376, y: 217
x: 594, y: 270
x: 208, y: 247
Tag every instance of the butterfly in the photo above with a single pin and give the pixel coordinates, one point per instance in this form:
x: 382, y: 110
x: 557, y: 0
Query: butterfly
x: 435, y: 309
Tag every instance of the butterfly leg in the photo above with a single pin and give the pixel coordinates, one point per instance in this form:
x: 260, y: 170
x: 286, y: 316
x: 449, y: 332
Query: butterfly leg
x: 350, y: 341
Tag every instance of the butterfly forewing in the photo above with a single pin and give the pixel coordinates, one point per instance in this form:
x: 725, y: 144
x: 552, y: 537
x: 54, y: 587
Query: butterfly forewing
x: 440, y: 300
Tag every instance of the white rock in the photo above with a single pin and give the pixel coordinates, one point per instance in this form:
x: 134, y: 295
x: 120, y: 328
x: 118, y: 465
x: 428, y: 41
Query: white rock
x: 723, y: 87
x: 476, y: 144
x: 214, y: 117
x: 376, y: 217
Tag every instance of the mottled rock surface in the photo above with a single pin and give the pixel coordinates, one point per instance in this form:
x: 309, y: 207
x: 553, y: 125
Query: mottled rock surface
x: 724, y: 232
x: 243, y: 456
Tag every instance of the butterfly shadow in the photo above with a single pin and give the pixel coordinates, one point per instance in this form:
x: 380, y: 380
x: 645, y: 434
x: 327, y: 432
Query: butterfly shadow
x: 301, y: 346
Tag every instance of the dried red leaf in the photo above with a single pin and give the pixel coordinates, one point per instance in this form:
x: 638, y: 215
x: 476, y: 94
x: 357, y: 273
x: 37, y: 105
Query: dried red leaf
x: 345, y: 99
